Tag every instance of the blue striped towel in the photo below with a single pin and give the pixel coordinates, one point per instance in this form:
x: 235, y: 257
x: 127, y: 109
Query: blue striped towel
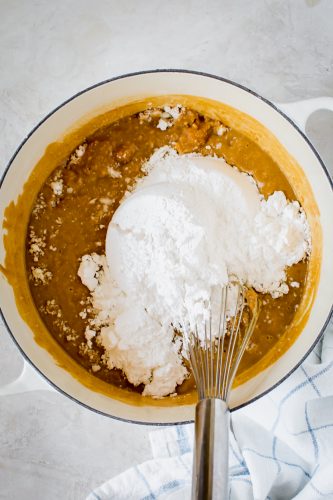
x: 281, y: 446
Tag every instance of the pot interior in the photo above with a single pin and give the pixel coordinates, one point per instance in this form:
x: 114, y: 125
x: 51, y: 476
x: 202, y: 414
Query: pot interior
x: 266, y: 125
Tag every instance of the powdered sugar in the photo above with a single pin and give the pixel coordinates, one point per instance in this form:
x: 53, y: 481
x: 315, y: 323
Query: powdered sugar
x: 134, y: 341
x: 189, y: 225
x: 169, y: 116
x: 57, y: 187
x: 115, y: 174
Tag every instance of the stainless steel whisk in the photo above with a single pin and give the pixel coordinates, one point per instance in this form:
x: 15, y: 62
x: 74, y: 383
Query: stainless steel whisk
x: 215, y: 352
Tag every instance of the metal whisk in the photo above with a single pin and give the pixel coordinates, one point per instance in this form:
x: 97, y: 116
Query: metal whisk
x: 215, y: 350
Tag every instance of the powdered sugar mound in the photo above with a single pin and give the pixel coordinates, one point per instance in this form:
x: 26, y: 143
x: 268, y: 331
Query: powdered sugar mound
x: 175, y: 232
x: 144, y: 350
x: 191, y: 224
x: 281, y: 238
x: 134, y: 342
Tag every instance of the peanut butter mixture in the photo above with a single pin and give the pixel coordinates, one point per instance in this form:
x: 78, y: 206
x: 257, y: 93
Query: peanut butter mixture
x: 76, y: 203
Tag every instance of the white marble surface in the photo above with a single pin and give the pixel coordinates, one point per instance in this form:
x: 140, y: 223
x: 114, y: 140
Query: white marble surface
x: 51, y: 448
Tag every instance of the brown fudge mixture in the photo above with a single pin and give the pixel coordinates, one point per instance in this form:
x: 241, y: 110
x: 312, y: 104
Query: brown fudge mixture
x: 75, y: 205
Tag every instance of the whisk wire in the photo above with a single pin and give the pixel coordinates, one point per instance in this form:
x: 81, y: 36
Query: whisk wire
x: 206, y: 360
x: 212, y: 349
x: 193, y: 360
x: 202, y: 366
x: 244, y: 343
x: 232, y: 343
x: 220, y: 340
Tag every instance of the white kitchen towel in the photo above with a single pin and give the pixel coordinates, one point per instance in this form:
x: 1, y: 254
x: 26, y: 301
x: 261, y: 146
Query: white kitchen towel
x: 281, y: 446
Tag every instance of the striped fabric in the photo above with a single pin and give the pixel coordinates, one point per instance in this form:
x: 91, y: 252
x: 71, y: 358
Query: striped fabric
x: 281, y: 446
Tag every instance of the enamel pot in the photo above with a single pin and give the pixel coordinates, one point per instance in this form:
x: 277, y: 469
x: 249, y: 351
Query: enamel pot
x: 285, y: 122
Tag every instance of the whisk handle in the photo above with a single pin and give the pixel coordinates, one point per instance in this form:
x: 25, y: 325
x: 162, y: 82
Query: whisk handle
x: 211, y: 452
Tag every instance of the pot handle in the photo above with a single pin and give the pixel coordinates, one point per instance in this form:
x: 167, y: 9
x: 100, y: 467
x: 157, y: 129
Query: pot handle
x: 28, y: 380
x: 300, y: 111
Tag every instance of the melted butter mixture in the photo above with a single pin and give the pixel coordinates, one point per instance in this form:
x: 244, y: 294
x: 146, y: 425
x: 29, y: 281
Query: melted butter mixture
x: 68, y: 201
x: 74, y: 207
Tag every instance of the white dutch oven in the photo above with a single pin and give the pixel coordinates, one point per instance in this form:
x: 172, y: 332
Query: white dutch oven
x: 146, y: 84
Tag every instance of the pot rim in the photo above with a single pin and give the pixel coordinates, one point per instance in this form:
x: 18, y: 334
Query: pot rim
x: 144, y: 72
